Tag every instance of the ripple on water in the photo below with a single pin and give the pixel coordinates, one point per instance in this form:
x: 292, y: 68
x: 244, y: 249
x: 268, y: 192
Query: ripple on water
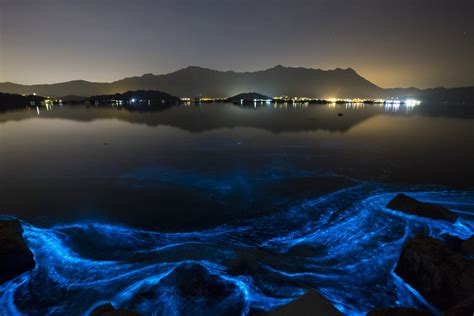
x: 344, y: 244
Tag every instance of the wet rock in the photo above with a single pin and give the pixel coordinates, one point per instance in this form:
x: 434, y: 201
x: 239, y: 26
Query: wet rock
x: 190, y: 289
x: 442, y: 276
x: 465, y: 308
x: 398, y: 311
x: 453, y: 242
x: 193, y: 280
x: 406, y: 204
x: 310, y: 304
x: 462, y: 246
x: 467, y: 246
x: 109, y: 310
x: 15, y: 256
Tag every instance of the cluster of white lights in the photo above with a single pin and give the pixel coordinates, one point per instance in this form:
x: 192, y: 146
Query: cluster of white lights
x: 407, y: 102
x: 411, y: 102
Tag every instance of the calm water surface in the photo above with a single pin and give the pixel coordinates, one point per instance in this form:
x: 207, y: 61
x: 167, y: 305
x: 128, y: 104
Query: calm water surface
x: 140, y: 199
x: 186, y: 167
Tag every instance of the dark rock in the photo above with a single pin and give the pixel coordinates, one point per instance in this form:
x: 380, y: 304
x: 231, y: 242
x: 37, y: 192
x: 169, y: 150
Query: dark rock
x: 109, y: 310
x: 465, y: 308
x: 194, y: 280
x: 310, y: 304
x: 398, y: 311
x: 340, y: 114
x: 406, y: 204
x: 15, y: 256
x: 467, y: 246
x: 190, y: 289
x: 462, y: 246
x: 442, y: 276
x: 453, y: 242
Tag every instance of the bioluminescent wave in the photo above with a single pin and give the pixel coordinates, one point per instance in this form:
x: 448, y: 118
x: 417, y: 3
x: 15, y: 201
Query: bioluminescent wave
x: 344, y: 244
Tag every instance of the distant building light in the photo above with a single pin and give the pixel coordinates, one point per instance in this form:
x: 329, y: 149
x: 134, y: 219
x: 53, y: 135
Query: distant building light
x: 411, y: 102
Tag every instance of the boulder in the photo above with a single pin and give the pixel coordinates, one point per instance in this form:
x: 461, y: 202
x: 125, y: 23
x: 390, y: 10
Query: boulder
x: 406, y: 204
x: 462, y: 246
x: 15, y: 256
x: 194, y: 280
x: 398, y: 311
x: 467, y: 246
x: 190, y: 289
x: 108, y: 309
x: 309, y: 304
x: 462, y: 309
x: 442, y: 276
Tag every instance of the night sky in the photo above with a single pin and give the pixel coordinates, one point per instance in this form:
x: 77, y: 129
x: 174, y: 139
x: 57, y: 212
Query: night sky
x: 392, y: 43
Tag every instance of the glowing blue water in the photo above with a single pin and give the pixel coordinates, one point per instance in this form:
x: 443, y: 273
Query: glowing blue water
x: 344, y: 244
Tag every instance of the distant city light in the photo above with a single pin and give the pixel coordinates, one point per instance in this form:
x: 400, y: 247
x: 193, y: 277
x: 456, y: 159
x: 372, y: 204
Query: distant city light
x: 411, y: 102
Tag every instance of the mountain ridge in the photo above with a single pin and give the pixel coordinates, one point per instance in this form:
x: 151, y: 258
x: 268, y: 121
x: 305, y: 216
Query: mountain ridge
x: 196, y: 81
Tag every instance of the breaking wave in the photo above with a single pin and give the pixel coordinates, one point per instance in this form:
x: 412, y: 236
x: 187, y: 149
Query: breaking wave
x: 344, y: 244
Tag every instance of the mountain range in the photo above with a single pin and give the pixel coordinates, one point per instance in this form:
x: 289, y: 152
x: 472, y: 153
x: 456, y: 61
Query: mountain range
x: 277, y: 81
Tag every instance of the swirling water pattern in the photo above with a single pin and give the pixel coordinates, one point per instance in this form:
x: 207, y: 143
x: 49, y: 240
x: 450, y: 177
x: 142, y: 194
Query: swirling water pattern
x: 345, y: 244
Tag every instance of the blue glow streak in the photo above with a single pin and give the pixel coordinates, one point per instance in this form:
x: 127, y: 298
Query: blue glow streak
x: 350, y: 244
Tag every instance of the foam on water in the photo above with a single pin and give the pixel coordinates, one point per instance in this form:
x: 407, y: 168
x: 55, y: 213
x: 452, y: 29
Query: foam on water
x: 344, y: 244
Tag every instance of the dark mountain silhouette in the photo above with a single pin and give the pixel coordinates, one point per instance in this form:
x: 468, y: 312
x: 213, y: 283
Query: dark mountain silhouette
x: 140, y: 96
x: 73, y: 99
x: 277, y: 81
x: 199, y: 82
x: 13, y: 101
x: 248, y: 96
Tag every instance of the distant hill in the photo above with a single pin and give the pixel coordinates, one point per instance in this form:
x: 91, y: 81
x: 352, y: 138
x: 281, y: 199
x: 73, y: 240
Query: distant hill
x: 13, y: 101
x: 140, y: 96
x: 277, y: 81
x: 73, y: 99
x: 201, y: 82
x: 248, y: 96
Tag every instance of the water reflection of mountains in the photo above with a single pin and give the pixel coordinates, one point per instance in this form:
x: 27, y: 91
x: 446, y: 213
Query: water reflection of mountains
x: 202, y: 118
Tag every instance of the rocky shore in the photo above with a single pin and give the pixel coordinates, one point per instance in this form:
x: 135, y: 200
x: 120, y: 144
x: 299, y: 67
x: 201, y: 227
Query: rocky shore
x: 15, y: 256
x: 442, y: 271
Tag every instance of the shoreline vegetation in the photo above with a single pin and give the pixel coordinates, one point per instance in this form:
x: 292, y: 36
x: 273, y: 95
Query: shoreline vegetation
x: 153, y: 98
x: 141, y: 99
